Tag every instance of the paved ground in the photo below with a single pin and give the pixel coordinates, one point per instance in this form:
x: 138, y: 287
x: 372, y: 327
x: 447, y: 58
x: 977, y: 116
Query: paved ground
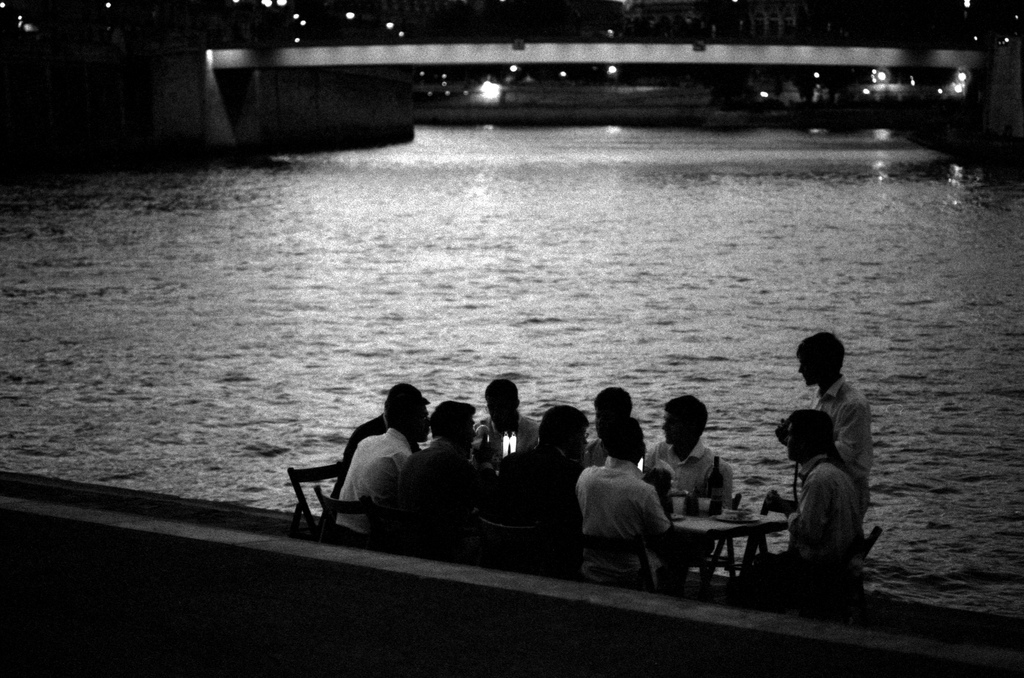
x: 103, y: 582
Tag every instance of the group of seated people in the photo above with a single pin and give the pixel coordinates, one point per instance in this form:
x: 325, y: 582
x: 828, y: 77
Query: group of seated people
x: 510, y: 469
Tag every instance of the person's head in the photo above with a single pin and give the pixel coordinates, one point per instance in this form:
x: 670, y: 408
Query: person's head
x: 407, y: 414
x: 565, y: 427
x: 454, y: 421
x: 611, y: 406
x: 821, y: 359
x: 625, y: 440
x: 502, y: 399
x: 810, y: 434
x: 685, y: 419
x: 407, y: 389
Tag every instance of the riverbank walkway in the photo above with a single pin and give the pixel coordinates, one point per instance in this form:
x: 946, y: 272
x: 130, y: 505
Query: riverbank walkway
x: 99, y: 581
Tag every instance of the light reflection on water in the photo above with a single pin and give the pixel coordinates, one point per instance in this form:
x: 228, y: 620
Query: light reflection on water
x: 197, y: 330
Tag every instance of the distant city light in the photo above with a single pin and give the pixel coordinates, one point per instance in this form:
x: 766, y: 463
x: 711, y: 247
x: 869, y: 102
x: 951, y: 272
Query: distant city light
x: 817, y: 75
x: 390, y: 25
x: 490, y: 90
x: 513, y: 68
x: 913, y: 83
x: 967, y: 4
x: 108, y: 5
x: 267, y: 3
x: 562, y: 74
x: 294, y: 16
x: 282, y: 3
x: 866, y: 91
x: 612, y: 70
x: 958, y: 88
x: 350, y: 15
x: 401, y: 34
x: 961, y: 76
x: 296, y: 40
x: 940, y: 90
x: 764, y: 95
x: 882, y: 76
x: 611, y: 33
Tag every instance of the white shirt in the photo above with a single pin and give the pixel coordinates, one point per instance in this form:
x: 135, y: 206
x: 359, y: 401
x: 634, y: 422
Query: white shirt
x: 376, y: 465
x: 527, y: 436
x: 827, y: 521
x: 616, y: 502
x: 851, y: 422
x: 691, y: 474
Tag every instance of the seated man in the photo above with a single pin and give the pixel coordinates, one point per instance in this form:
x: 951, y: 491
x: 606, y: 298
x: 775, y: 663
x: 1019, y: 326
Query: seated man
x: 538, y: 486
x: 505, y: 424
x: 441, y: 484
x: 379, y: 459
x: 825, y: 528
x: 612, y: 406
x: 616, y: 502
x: 374, y: 427
x: 684, y: 455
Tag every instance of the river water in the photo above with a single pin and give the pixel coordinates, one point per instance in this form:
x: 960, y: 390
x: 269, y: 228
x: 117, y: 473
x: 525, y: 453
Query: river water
x: 196, y: 330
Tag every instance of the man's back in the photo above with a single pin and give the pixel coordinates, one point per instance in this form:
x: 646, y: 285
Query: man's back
x: 539, y: 485
x: 851, y: 421
x: 616, y: 502
x: 374, y: 463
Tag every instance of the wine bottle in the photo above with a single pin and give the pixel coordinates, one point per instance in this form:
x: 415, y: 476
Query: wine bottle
x: 715, y: 483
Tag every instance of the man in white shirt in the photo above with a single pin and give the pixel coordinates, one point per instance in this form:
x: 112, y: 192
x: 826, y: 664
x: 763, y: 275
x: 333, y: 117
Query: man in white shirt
x: 684, y: 455
x: 823, y: 530
x: 378, y: 460
x: 821, y: 363
x: 616, y: 502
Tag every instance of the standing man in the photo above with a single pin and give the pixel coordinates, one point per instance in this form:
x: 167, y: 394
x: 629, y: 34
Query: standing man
x: 821, y: 363
x: 684, y: 455
x: 612, y: 407
x: 378, y: 461
x: 507, y: 430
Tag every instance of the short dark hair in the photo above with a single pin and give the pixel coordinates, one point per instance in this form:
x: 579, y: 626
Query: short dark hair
x: 625, y: 440
x: 448, y: 417
x: 690, y: 409
x: 406, y: 389
x: 816, y: 428
x: 502, y: 389
x: 614, y: 400
x: 403, y: 408
x: 825, y: 348
x: 560, y: 423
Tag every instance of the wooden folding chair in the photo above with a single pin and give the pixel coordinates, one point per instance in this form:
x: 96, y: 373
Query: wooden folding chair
x: 330, y: 531
x: 394, y: 530
x: 304, y: 524
x: 515, y: 548
x: 636, y: 546
x: 855, y: 609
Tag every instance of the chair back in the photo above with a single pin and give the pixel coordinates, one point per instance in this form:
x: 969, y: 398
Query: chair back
x: 304, y: 524
x: 394, y: 530
x: 635, y: 546
x: 515, y: 548
x: 330, y: 531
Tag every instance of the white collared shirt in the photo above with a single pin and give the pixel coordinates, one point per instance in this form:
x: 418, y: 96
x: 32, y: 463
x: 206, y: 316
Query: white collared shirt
x: 851, y: 421
x: 616, y: 502
x: 827, y: 520
x: 691, y: 474
x: 376, y: 465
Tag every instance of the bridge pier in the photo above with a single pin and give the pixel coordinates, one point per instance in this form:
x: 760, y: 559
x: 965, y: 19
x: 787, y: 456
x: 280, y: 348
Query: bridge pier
x: 198, y: 108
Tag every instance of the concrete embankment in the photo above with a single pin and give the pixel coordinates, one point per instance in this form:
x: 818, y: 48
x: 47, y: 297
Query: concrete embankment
x: 97, y: 581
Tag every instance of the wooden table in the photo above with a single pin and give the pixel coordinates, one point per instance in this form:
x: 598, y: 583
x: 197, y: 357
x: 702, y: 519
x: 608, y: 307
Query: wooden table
x: 720, y: 534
